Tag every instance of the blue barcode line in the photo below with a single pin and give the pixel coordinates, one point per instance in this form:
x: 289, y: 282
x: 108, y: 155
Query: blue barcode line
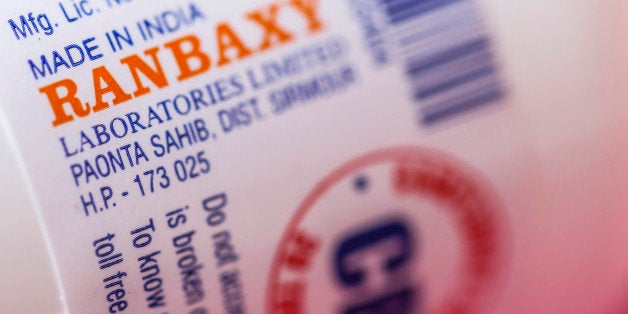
x: 443, y: 111
x: 416, y: 33
x: 402, y: 10
x: 424, y: 93
x: 443, y: 57
x: 447, y: 56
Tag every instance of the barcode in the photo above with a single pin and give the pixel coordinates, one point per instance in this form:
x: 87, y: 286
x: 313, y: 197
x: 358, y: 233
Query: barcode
x: 446, y: 54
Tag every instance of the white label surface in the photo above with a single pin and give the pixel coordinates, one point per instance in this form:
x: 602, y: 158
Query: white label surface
x: 278, y: 156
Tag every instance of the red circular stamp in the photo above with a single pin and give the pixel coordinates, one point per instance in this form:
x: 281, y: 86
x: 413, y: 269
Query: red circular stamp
x: 399, y: 230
